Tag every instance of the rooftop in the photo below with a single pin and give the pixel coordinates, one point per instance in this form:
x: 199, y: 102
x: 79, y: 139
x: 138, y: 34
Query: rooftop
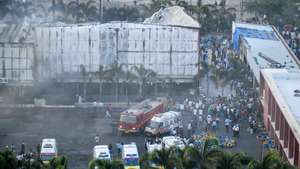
x: 143, y: 107
x: 265, y: 47
x: 284, y: 85
x: 174, y: 15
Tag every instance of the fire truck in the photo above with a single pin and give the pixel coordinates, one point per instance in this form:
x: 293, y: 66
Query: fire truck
x: 135, y: 118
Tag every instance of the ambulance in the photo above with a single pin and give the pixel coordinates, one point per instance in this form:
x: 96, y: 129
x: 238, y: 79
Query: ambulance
x: 101, y: 152
x: 130, y: 156
x: 48, y: 150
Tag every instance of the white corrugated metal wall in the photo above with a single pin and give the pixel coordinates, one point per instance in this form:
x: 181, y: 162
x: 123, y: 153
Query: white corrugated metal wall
x: 16, y: 63
x: 168, y: 50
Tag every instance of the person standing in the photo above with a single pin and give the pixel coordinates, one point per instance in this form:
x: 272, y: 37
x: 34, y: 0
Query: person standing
x: 110, y: 148
x: 108, y: 111
x: 214, y: 125
x: 97, y: 139
x: 189, y: 129
x: 227, y: 124
x: 22, y: 148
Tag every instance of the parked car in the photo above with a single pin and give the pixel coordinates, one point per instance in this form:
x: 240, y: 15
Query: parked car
x: 170, y: 141
x: 101, y: 152
x: 48, y: 149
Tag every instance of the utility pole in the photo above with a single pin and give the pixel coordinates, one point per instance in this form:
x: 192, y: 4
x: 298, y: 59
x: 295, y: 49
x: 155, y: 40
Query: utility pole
x: 101, y: 7
x: 53, y: 10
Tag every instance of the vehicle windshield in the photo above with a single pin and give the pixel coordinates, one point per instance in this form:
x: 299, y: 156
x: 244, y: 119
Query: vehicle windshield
x: 154, y: 124
x: 103, y: 155
x: 128, y: 119
x: 48, y: 146
x: 131, y: 162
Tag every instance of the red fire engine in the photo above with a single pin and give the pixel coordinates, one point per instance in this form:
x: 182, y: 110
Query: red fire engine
x: 135, y: 118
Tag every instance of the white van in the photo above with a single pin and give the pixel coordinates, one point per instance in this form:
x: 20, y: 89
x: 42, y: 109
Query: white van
x: 170, y: 141
x: 48, y: 149
x: 101, y: 152
x: 130, y: 156
x: 164, y: 123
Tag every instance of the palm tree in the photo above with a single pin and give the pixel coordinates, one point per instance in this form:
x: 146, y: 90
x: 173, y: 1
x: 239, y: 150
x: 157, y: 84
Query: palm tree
x: 115, y: 73
x: 57, y: 7
x: 18, y: 9
x: 271, y: 160
x: 101, y: 74
x: 4, y: 7
x: 83, y: 73
x: 221, y: 77
x: 203, y: 71
x: 228, y: 160
x: 130, y: 77
x: 8, y: 159
x: 104, y: 164
x: 83, y: 11
x: 143, y: 75
x: 166, y: 158
x: 209, y: 153
x: 59, y: 162
x: 191, y: 158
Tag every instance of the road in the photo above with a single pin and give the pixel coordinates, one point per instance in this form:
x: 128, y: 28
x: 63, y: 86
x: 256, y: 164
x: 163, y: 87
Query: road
x: 75, y: 130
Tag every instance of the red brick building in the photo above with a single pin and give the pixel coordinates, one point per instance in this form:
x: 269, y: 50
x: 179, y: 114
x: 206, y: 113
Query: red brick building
x: 280, y: 101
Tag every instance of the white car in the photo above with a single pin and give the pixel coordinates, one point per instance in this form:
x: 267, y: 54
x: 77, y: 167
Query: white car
x: 101, y: 152
x: 48, y: 149
x: 153, y: 147
x: 170, y: 141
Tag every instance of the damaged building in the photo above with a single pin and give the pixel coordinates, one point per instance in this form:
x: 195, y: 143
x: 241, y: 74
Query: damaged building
x: 170, y: 51
x: 57, y: 51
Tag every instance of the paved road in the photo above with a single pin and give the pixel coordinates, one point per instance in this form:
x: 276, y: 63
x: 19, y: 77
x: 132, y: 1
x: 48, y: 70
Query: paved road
x: 75, y: 130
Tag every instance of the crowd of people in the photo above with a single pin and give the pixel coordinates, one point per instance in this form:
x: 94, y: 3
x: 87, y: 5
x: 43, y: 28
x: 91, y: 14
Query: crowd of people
x: 212, y: 113
x: 291, y: 34
x: 215, y: 51
x: 209, y: 113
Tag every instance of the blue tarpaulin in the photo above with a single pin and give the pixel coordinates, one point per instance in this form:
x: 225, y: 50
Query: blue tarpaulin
x: 251, y: 33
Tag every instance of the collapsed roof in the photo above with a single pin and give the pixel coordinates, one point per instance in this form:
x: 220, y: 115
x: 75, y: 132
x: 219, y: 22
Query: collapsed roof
x: 15, y: 33
x: 174, y: 15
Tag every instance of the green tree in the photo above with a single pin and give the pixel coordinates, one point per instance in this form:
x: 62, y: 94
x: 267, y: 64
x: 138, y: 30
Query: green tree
x: 278, y: 12
x: 102, y: 75
x: 84, y: 11
x: 228, y: 160
x: 203, y: 71
x: 59, y: 162
x: 18, y: 9
x: 271, y: 160
x: 115, y: 73
x: 126, y: 13
x: 268, y: 7
x: 205, y: 157
x: 221, y: 77
x: 130, y: 77
x: 58, y: 7
x: 214, y: 17
x: 164, y: 157
x: 4, y: 9
x: 83, y: 74
x: 8, y: 160
x: 143, y: 75
x: 104, y: 164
